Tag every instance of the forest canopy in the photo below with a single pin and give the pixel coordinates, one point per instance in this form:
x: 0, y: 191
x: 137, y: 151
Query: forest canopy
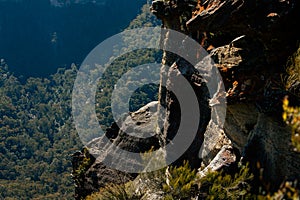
x: 37, y: 133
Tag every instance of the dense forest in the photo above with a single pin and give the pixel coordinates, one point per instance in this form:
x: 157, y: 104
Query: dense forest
x: 37, y: 133
x: 38, y: 136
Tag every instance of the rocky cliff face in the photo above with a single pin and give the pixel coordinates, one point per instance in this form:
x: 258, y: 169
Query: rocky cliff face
x: 249, y: 42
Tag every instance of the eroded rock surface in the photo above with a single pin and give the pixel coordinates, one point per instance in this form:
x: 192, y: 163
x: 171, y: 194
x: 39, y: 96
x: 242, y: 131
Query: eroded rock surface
x: 249, y: 42
x: 94, y: 172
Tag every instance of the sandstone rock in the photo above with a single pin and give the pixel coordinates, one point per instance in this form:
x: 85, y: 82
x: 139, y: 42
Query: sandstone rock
x: 269, y: 151
x: 245, y: 36
x: 224, y: 158
x: 250, y: 42
x: 233, y: 18
x: 97, y: 174
x: 240, y: 120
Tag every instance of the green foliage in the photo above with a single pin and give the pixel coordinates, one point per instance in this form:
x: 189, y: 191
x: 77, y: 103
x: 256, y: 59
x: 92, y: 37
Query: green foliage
x: 119, y: 67
x: 179, y: 182
x: 115, y: 192
x: 288, y: 191
x: 84, y: 165
x: 154, y: 180
x: 37, y: 133
x: 183, y: 183
x: 291, y: 116
x: 218, y: 185
x: 145, y: 19
x: 292, y: 80
x: 123, y: 64
x: 37, y: 136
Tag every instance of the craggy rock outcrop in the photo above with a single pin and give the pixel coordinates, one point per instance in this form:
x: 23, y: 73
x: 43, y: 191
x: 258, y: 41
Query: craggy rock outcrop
x: 250, y: 42
x: 90, y: 174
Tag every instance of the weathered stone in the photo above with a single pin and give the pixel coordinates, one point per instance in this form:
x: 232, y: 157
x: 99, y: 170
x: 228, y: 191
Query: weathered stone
x: 140, y: 124
x: 214, y: 140
x: 250, y: 42
x: 233, y: 18
x: 225, y: 157
x: 270, y: 153
x: 250, y: 48
x: 240, y: 120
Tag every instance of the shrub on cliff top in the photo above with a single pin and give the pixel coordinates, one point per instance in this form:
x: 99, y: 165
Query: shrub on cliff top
x: 292, y: 79
x: 291, y: 115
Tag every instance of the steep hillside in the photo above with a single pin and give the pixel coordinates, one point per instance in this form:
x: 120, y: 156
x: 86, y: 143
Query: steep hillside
x: 37, y: 134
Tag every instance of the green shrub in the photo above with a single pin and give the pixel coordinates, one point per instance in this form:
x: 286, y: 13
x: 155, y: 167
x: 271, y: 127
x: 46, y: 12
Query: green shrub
x: 218, y: 185
x: 291, y: 116
x: 115, y: 192
x: 183, y: 183
x: 179, y: 182
x: 84, y: 165
x: 287, y: 191
x: 292, y: 79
